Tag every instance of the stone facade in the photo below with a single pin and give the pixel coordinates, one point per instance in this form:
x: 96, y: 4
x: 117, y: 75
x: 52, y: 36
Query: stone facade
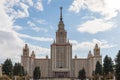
x: 0, y: 70
x: 61, y: 63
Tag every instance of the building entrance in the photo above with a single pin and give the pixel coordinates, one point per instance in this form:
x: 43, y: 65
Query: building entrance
x: 61, y: 74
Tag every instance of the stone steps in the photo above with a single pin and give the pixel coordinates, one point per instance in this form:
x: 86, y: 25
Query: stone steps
x: 57, y: 79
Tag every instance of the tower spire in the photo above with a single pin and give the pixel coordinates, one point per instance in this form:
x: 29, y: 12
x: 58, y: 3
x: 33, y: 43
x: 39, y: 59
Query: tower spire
x: 60, y: 13
x: 61, y: 24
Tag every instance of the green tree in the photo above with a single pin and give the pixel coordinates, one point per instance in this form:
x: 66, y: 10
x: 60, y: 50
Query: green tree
x: 18, y: 70
x: 98, y: 69
x: 111, y: 65
x: 117, y: 66
x: 82, y: 74
x: 8, y: 67
x: 36, y: 73
x: 107, y: 65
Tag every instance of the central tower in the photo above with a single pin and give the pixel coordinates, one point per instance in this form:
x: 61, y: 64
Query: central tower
x: 61, y: 52
x: 61, y: 33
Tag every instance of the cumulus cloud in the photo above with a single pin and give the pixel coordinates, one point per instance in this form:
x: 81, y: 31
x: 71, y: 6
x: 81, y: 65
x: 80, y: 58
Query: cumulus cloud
x: 77, y: 5
x: 23, y: 6
x: 11, y: 43
x: 108, y: 9
x: 95, y: 26
x: 17, y: 27
x: 35, y: 38
x: 35, y: 27
x: 89, y: 45
x: 73, y: 42
x: 21, y: 12
x: 39, y: 51
x: 29, y: 2
x: 24, y: 12
x: 38, y: 5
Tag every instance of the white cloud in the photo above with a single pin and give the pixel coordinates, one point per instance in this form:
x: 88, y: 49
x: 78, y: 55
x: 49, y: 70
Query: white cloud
x: 111, y: 8
x: 17, y: 28
x: 11, y: 3
x: 30, y: 2
x: 33, y: 26
x: 36, y: 28
x: 31, y: 23
x: 95, y: 26
x: 89, y: 45
x: 5, y: 21
x: 35, y: 38
x: 23, y: 6
x: 73, y: 42
x: 39, y: 51
x: 21, y: 12
x: 77, y: 5
x: 10, y: 42
x: 10, y: 45
x: 42, y: 21
x: 38, y: 5
x: 24, y: 12
x: 107, y: 8
x: 49, y: 1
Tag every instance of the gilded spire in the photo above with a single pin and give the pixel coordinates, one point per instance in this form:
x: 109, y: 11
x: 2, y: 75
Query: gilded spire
x: 60, y: 13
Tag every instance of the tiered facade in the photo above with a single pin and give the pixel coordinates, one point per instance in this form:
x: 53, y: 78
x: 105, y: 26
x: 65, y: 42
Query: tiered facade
x: 61, y: 63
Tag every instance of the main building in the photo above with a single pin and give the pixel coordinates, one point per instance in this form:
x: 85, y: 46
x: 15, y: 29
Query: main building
x: 61, y: 63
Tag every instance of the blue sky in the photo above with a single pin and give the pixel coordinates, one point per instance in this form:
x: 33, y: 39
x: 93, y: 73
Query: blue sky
x: 35, y: 22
